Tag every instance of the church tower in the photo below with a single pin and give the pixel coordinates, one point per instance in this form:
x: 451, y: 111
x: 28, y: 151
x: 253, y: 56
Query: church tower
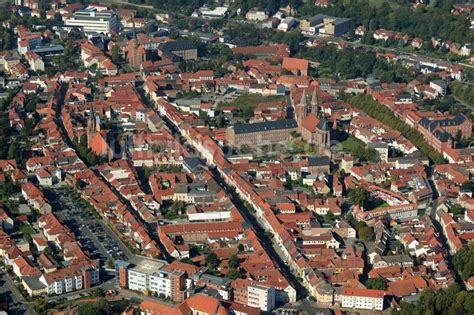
x: 92, y: 126
x: 302, y: 109
x: 315, y: 103
x: 136, y: 53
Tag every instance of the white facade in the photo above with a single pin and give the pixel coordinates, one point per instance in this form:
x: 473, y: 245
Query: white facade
x: 69, y: 282
x: 261, y: 297
x: 287, y: 24
x: 362, y: 302
x: 210, y: 216
x: 92, y: 21
x: 254, y: 15
x: 158, y: 282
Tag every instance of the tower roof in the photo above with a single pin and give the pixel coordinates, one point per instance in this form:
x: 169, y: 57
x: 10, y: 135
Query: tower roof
x: 323, y: 124
x: 303, y: 98
x: 314, y: 98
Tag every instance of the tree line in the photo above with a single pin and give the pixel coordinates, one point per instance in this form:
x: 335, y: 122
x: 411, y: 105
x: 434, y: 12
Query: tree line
x: 365, y: 103
x: 452, y: 300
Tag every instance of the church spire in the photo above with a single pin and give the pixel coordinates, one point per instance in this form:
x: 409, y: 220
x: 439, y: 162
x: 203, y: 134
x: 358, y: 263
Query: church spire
x: 315, y: 103
x: 303, y: 99
x: 134, y: 34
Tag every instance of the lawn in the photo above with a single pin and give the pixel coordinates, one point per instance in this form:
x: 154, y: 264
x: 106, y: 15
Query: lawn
x: 383, y: 205
x: 26, y: 229
x: 351, y: 144
x: 250, y: 101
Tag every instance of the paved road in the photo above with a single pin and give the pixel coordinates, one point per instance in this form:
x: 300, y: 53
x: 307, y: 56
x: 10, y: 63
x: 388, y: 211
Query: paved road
x: 68, y: 141
x: 272, y: 248
x: 11, y: 297
x: 255, y: 224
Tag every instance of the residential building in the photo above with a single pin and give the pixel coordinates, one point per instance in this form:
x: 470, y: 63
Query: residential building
x: 287, y: 24
x: 75, y: 277
x: 364, y: 299
x: 256, y: 15
x: 151, y: 275
x: 261, y: 297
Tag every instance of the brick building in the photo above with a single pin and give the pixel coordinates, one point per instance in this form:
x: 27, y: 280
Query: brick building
x: 312, y: 125
x: 260, y: 133
x: 440, y: 131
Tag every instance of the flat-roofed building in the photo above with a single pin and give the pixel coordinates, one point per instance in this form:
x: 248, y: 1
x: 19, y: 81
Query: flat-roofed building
x: 91, y: 20
x: 336, y: 26
x: 151, y: 275
x: 262, y: 297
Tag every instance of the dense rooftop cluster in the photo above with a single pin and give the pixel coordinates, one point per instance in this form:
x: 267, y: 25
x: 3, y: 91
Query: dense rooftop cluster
x: 315, y: 164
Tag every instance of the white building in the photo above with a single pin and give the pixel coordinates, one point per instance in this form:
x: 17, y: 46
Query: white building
x: 35, y: 61
x: 287, y: 24
x: 70, y: 279
x: 439, y: 86
x: 90, y: 20
x: 261, y: 297
x: 256, y: 15
x: 364, y: 299
x: 208, y: 13
x: 148, y: 275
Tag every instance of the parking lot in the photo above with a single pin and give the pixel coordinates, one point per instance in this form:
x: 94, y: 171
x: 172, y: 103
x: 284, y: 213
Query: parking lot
x: 93, y: 234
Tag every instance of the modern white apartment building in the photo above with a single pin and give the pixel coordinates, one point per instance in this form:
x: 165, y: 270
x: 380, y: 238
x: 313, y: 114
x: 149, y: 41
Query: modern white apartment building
x: 91, y: 20
x: 261, y: 297
x: 364, y: 299
x: 150, y: 275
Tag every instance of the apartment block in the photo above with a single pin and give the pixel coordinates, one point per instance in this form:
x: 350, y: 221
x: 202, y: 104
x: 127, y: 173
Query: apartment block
x: 364, y: 299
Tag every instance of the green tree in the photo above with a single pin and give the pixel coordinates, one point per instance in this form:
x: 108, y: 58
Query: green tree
x: 109, y: 264
x: 93, y: 308
x: 40, y: 305
x: 233, y: 261
x: 81, y: 184
x: 116, y: 55
x: 329, y: 217
x: 457, y: 209
x: 448, y: 301
x: 386, y: 116
x: 376, y: 283
x: 358, y: 196
x: 212, y: 261
x: 220, y: 121
x: 233, y: 274
x: 83, y: 141
x: 366, y: 233
x: 463, y: 261
x: 99, y: 292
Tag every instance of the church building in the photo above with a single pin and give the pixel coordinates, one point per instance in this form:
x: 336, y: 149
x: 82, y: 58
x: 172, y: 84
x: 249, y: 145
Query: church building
x: 312, y: 125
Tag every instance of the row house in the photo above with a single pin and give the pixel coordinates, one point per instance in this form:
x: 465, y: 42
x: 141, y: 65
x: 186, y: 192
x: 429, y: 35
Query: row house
x: 35, y: 197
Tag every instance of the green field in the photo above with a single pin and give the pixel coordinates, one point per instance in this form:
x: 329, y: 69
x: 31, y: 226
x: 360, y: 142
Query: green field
x: 248, y: 102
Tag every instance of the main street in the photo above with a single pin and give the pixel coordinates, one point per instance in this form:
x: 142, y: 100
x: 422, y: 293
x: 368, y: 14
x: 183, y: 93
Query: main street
x: 270, y: 247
